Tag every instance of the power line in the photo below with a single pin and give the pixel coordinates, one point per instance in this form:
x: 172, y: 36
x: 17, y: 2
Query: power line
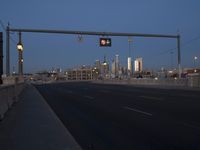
x: 4, y: 28
x: 2, y: 25
x: 183, y: 45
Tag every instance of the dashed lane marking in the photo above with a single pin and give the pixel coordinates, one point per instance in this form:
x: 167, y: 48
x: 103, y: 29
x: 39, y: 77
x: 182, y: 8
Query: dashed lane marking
x: 152, y: 98
x: 138, y: 111
x: 89, y: 97
x: 104, y: 91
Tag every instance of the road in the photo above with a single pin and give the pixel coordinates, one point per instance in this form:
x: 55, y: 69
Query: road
x: 121, y: 117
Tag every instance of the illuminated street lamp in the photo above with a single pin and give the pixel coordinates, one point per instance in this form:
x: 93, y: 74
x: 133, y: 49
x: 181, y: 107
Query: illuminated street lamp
x: 20, y: 46
x: 195, y: 59
x: 20, y: 56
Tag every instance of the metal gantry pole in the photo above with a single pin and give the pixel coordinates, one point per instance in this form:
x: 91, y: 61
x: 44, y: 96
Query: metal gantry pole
x: 1, y: 56
x: 8, y: 50
x: 179, y: 56
x: 93, y: 33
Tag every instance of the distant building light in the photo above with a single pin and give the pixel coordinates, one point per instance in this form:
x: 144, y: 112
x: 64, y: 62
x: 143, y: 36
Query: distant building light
x: 170, y: 71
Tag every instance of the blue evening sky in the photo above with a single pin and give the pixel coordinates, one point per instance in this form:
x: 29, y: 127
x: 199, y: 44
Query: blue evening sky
x: 44, y: 51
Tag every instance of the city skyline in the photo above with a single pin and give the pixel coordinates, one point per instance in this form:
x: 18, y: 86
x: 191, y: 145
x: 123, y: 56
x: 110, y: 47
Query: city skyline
x: 64, y: 51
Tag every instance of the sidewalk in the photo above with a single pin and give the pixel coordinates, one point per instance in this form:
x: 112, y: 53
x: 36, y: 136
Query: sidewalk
x: 32, y: 125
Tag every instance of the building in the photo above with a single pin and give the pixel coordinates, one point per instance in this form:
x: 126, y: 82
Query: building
x: 105, y: 68
x: 113, y: 67
x: 82, y: 74
x: 138, y: 65
x: 117, y: 66
x: 130, y: 68
x: 98, y: 66
x: 115, y: 70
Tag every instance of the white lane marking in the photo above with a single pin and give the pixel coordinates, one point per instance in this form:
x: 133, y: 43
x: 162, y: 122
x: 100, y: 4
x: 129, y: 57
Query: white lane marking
x: 152, y: 98
x: 139, y: 111
x: 89, y: 97
x: 69, y: 91
x: 104, y: 91
x: 184, y: 95
x: 192, y: 126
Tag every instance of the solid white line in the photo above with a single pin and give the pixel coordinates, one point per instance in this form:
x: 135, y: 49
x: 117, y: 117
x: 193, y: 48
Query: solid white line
x: 89, y: 97
x: 139, y: 111
x: 153, y: 98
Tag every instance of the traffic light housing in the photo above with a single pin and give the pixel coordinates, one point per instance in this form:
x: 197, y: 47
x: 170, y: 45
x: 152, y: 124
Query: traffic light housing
x: 104, y: 42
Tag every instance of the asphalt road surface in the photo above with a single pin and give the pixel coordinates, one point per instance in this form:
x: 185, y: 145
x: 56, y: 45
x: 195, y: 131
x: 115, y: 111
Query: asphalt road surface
x: 120, y: 117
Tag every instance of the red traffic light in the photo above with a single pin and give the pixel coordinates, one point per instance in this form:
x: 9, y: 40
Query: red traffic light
x: 105, y: 42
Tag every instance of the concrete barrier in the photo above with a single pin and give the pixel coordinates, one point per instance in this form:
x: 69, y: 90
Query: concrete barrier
x: 9, y: 95
x: 192, y: 82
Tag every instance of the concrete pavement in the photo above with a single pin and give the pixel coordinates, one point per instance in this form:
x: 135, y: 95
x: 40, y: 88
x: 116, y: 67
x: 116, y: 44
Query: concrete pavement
x: 116, y: 117
x: 32, y: 125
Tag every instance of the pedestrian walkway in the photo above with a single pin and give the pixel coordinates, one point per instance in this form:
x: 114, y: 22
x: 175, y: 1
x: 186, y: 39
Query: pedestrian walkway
x: 32, y: 125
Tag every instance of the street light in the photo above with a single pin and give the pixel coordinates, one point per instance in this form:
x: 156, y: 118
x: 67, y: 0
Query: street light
x: 20, y: 55
x: 195, y: 59
x: 20, y: 46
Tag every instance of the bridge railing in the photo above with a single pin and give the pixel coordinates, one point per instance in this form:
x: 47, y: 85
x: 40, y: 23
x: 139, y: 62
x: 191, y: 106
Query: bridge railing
x: 9, y: 95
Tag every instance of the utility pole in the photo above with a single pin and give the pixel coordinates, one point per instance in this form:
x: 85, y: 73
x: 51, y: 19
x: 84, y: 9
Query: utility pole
x: 1, y: 57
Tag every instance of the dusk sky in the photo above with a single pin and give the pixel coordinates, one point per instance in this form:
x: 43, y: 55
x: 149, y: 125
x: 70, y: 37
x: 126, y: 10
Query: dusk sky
x: 44, y: 51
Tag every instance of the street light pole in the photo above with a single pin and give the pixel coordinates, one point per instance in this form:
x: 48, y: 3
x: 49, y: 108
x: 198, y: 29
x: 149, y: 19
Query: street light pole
x: 8, y: 50
x: 179, y: 55
x: 195, y: 59
x: 20, y: 55
x: 1, y: 56
x: 129, y: 58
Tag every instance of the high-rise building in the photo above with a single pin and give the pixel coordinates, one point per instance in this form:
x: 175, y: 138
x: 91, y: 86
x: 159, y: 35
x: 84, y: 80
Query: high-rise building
x: 105, y: 67
x: 117, y: 65
x: 130, y: 66
x: 113, y: 67
x: 98, y: 66
x: 138, y: 65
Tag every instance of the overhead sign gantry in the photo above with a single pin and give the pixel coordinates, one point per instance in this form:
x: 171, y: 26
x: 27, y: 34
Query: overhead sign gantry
x: 177, y: 37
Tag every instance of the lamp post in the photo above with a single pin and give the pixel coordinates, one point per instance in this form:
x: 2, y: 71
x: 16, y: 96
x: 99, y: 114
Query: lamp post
x: 20, y: 56
x: 1, y: 56
x: 195, y: 59
x: 129, y: 58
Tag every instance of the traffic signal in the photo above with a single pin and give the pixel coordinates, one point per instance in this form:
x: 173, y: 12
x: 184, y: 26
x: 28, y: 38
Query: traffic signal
x: 105, y: 42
